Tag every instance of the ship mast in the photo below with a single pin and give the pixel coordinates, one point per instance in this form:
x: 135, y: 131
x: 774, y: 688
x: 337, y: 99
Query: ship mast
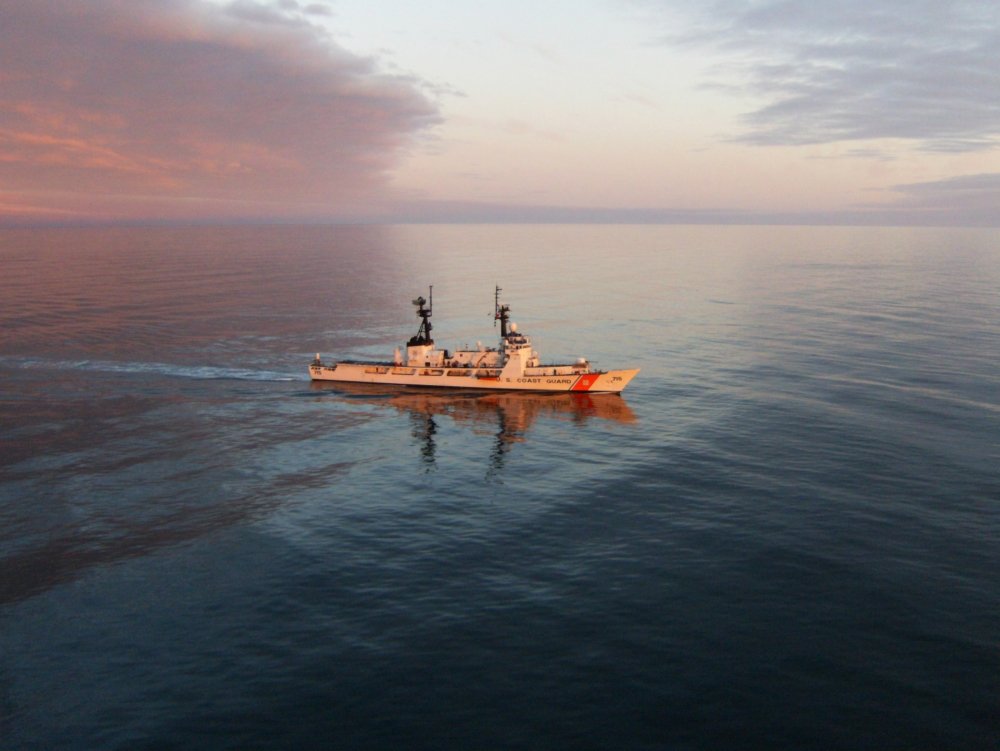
x: 424, y: 332
x: 501, y: 313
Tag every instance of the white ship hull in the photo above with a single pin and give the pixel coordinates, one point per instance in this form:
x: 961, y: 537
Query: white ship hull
x: 612, y: 381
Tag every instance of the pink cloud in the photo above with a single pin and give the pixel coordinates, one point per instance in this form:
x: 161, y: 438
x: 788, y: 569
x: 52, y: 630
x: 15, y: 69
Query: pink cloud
x: 168, y: 108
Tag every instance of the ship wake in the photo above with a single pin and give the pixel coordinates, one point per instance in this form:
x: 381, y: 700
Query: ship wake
x: 170, y: 370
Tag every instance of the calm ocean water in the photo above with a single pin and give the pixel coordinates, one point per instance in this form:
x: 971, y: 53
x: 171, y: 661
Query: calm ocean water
x: 785, y: 534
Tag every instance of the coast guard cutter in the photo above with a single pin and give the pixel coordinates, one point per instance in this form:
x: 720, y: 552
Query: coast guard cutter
x: 510, y: 366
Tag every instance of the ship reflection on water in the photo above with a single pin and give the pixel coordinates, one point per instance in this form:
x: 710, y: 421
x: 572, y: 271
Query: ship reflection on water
x: 509, y: 415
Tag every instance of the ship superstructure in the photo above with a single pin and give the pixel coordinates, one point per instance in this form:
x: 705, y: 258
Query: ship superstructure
x: 513, y: 365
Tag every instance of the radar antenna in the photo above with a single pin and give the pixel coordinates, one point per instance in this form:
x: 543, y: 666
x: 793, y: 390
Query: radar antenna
x: 424, y: 332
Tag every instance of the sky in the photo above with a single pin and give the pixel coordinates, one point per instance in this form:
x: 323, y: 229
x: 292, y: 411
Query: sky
x: 698, y: 111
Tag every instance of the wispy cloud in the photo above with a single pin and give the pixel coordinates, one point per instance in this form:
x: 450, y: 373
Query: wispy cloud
x: 923, y: 70
x: 968, y: 199
x: 172, y: 102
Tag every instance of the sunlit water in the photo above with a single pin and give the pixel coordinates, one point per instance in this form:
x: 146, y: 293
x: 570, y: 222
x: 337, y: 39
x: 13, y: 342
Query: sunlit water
x: 785, y: 534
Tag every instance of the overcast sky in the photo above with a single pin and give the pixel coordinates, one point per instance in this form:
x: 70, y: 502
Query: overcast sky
x: 582, y: 110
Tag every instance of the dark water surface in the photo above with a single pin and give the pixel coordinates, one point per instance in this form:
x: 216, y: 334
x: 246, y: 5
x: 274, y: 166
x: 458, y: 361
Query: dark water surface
x: 786, y: 533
